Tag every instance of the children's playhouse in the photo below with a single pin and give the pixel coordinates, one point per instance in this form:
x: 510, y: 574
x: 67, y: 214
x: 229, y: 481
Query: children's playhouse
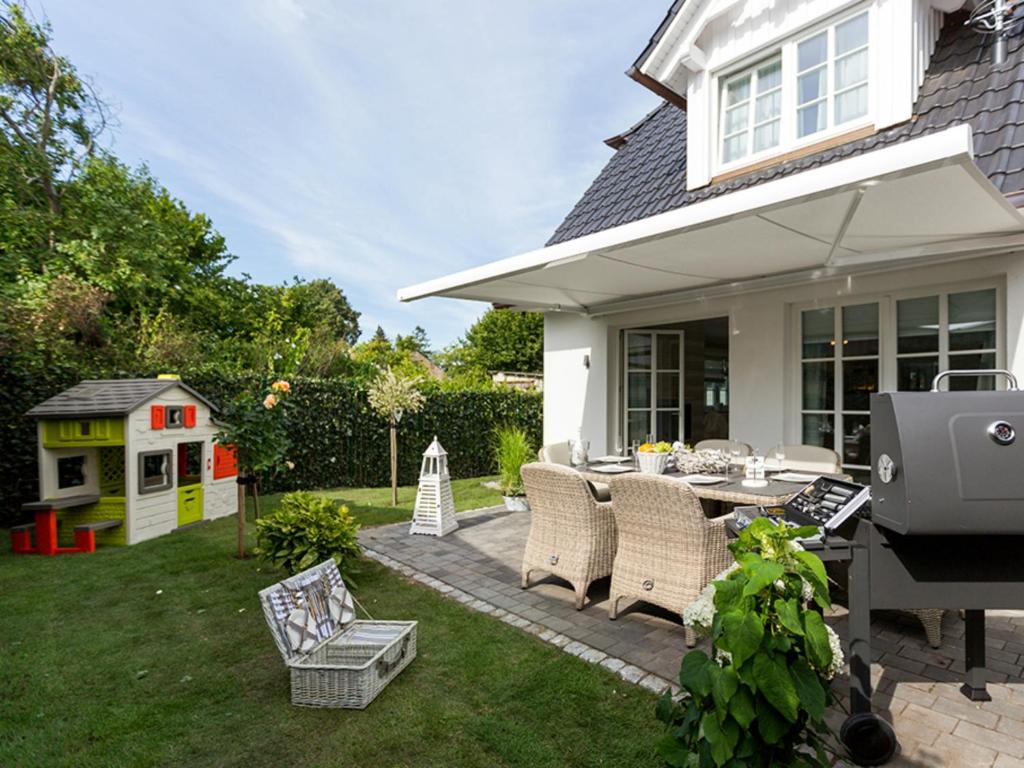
x: 122, y: 461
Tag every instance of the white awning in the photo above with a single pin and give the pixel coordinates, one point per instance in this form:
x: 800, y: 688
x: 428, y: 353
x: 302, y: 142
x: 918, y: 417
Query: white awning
x: 918, y: 200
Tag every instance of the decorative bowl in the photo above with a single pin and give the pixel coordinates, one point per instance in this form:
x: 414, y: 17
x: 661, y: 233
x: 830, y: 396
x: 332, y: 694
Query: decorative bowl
x: 651, y: 463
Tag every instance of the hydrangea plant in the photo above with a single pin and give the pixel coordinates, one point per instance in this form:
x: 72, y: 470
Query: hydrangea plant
x: 760, y: 698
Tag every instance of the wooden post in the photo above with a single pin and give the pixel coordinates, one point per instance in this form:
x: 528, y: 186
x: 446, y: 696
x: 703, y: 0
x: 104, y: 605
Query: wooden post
x: 256, y: 499
x: 241, y: 519
x: 394, y: 462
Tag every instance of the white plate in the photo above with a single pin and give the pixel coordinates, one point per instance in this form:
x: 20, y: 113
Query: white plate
x: 612, y: 459
x: 611, y: 469
x: 754, y: 483
x: 703, y: 479
x: 795, y: 477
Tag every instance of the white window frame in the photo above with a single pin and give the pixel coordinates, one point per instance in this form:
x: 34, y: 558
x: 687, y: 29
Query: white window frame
x: 887, y: 329
x: 752, y: 124
x: 654, y: 371
x: 787, y: 50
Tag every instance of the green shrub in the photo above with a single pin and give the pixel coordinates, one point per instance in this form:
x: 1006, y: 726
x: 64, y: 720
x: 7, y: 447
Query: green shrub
x: 305, y: 530
x: 511, y: 450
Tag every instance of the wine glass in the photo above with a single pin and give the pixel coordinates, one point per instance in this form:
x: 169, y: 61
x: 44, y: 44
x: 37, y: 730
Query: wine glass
x: 780, y: 455
x: 734, y: 458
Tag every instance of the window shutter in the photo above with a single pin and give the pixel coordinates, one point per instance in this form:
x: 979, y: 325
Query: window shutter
x: 225, y: 461
x: 190, y: 416
x: 156, y: 417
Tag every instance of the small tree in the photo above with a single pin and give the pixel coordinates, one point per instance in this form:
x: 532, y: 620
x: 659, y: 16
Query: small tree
x: 390, y: 396
x: 256, y: 429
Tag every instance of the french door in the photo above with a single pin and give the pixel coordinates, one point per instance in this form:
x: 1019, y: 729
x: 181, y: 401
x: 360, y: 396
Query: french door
x: 653, y: 385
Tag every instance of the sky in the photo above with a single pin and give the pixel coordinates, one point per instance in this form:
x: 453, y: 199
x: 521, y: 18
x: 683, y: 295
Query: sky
x: 378, y: 144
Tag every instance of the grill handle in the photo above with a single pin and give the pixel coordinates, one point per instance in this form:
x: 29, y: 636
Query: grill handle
x: 1011, y: 380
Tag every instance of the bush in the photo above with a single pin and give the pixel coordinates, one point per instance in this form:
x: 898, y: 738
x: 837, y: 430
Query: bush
x: 511, y: 451
x: 305, y: 530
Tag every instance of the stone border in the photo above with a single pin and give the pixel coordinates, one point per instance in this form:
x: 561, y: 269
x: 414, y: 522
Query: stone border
x: 628, y: 672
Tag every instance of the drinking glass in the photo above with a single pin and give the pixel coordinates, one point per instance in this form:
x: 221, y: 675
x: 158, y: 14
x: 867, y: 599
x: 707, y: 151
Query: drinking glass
x: 636, y: 454
x: 780, y: 455
x: 734, y: 458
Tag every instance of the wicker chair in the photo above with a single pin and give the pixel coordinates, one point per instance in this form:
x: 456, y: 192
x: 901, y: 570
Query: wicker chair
x: 725, y: 446
x: 668, y: 550
x: 572, y: 535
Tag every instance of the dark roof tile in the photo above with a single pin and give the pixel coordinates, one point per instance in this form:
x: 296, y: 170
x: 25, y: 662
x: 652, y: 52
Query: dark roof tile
x: 107, y: 397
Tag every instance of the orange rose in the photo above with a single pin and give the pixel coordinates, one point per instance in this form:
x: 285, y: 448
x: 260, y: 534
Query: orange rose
x: 270, y: 401
x: 281, y: 386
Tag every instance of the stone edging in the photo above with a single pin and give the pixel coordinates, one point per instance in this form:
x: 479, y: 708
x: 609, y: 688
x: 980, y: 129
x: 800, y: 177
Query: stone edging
x: 628, y: 672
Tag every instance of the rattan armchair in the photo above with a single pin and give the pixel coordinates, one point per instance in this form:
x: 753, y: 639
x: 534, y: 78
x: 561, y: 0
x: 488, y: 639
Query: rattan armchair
x: 572, y: 535
x: 668, y: 550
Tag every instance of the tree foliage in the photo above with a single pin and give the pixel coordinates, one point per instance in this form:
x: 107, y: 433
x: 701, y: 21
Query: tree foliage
x: 501, y: 340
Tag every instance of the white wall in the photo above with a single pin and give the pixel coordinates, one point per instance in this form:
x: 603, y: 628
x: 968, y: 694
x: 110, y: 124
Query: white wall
x: 763, y: 385
x: 579, y: 398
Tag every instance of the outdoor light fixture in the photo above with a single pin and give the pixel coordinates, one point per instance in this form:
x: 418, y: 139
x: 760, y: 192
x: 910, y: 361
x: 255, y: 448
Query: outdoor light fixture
x: 586, y: 362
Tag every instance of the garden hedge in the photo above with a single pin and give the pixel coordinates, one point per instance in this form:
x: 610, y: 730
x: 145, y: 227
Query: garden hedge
x: 336, y: 439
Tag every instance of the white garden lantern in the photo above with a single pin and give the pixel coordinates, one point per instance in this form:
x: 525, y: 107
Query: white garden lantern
x: 434, y: 513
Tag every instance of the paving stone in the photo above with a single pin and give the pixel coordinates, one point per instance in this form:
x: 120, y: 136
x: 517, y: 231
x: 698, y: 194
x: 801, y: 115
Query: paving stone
x: 965, y: 710
x: 612, y: 664
x: 655, y: 683
x: 1006, y: 761
x: 593, y: 655
x: 1000, y: 742
x: 576, y: 648
x: 631, y: 673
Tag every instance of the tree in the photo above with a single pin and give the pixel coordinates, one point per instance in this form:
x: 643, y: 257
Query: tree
x: 391, y: 396
x: 416, y: 341
x: 501, y: 340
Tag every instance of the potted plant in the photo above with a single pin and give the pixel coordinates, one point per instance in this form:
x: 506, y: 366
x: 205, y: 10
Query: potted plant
x: 652, y: 458
x: 512, y: 450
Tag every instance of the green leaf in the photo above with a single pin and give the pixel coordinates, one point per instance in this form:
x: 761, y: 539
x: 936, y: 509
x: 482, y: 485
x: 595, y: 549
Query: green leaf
x: 724, y: 683
x: 762, y: 573
x: 693, y: 674
x: 674, y: 753
x: 816, y: 640
x: 729, y: 594
x: 665, y: 708
x: 741, y: 706
x: 776, y: 685
x: 770, y: 724
x: 788, y: 612
x: 721, y: 737
x: 741, y: 635
x: 814, y: 572
x: 808, y: 688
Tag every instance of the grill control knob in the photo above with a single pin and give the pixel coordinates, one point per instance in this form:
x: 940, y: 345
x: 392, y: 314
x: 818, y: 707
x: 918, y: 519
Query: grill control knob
x: 1002, y: 432
x: 886, y: 468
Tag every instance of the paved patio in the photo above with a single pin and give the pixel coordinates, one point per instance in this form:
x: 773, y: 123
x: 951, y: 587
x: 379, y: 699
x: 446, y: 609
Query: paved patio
x: 916, y: 686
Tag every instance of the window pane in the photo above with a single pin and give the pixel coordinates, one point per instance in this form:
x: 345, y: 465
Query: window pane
x: 639, y: 350
x: 737, y: 90
x: 766, y: 136
x: 70, y: 471
x: 811, y: 119
x: 985, y: 360
x: 639, y: 390
x: 667, y: 428
x: 769, y: 76
x: 668, y: 352
x: 972, y: 320
x: 851, y: 70
x: 768, y: 106
x: 734, y: 148
x: 851, y: 104
x: 860, y: 380
x: 812, y: 51
x: 918, y: 325
x: 915, y: 374
x: 851, y: 34
x: 639, y: 424
x: 860, y: 330
x: 668, y: 390
x: 818, y: 329
x: 737, y: 118
x: 819, y: 386
x: 812, y: 86
x: 818, y: 429
x: 857, y: 440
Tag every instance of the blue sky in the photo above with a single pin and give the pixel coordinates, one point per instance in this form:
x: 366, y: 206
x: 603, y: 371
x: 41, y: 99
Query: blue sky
x: 375, y: 143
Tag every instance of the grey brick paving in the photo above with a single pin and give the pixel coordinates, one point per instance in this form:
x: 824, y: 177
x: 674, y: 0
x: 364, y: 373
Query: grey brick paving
x: 916, y: 686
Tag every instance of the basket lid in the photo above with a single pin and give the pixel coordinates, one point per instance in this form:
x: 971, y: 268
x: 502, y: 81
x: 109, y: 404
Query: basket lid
x: 321, y: 593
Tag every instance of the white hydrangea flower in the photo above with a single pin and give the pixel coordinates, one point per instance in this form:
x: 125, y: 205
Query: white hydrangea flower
x: 806, y: 590
x: 700, y: 614
x: 837, y: 654
x: 724, y: 658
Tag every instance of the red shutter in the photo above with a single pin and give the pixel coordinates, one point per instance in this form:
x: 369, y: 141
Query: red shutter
x: 225, y: 461
x: 156, y: 417
x: 190, y: 416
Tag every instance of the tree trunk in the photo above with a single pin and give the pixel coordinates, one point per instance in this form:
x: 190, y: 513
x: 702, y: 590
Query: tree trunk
x: 394, y: 463
x: 241, y: 521
x: 256, y: 499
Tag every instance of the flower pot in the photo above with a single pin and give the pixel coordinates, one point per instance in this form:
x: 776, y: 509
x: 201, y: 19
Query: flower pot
x: 652, y: 463
x: 516, y: 503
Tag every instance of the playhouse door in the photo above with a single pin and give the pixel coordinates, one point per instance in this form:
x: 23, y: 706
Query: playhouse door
x: 190, y: 483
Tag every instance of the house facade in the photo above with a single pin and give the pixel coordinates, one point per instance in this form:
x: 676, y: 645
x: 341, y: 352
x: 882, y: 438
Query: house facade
x: 823, y: 206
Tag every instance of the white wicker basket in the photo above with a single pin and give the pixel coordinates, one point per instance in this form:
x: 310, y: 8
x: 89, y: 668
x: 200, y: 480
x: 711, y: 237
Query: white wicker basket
x: 353, y: 662
x: 652, y: 463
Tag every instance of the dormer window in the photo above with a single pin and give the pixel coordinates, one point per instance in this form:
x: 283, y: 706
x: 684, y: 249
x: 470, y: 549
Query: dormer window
x: 810, y: 88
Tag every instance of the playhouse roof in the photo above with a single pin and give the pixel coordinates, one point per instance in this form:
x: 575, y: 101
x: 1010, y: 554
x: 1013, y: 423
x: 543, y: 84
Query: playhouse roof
x: 108, y: 397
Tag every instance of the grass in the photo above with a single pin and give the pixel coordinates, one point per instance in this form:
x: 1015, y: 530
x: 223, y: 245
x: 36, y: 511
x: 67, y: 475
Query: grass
x: 158, y: 655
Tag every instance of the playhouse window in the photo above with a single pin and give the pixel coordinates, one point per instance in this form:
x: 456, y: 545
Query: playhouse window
x: 175, y: 417
x: 154, y: 471
x: 190, y: 463
x: 70, y: 471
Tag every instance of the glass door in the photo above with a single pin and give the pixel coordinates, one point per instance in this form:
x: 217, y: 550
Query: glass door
x: 653, y: 385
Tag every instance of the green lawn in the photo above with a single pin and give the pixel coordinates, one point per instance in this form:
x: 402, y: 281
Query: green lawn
x: 158, y: 654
